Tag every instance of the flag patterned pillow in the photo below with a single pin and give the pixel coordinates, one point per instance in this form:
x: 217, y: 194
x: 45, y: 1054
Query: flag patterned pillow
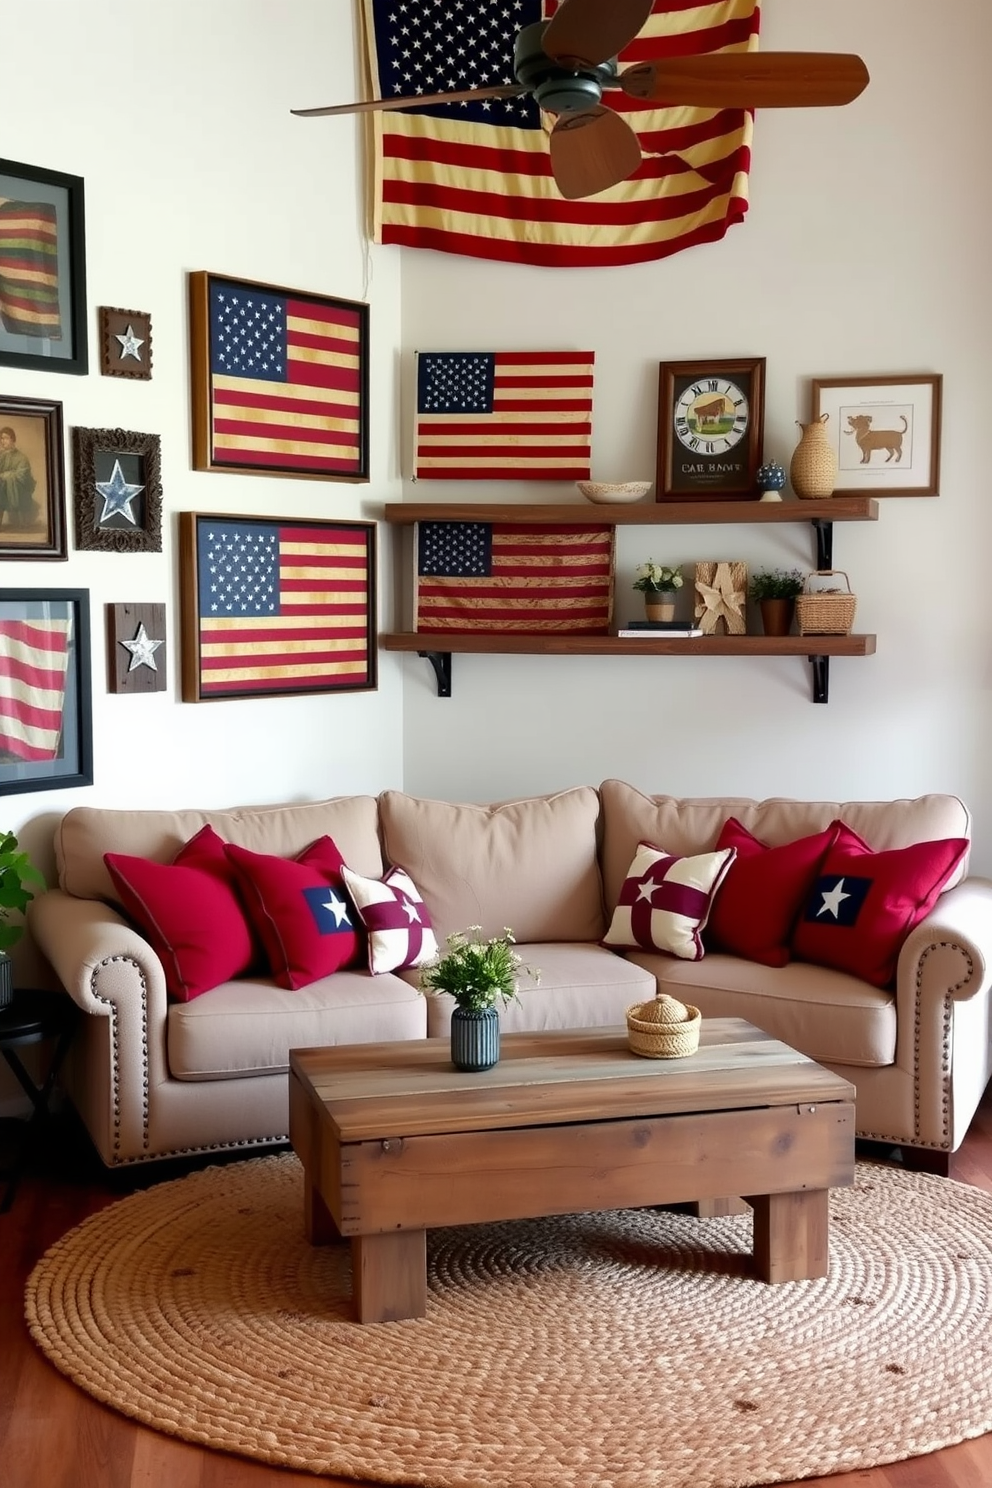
x: 395, y: 917
x: 189, y: 912
x: 764, y: 893
x: 665, y: 901
x: 300, y: 911
x: 865, y: 903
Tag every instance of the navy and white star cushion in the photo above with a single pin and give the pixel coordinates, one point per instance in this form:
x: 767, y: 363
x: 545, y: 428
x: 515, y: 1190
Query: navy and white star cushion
x: 330, y: 910
x: 395, y: 917
x: 665, y: 901
x: 838, y: 899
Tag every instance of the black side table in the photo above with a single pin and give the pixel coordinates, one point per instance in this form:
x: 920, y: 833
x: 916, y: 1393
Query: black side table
x: 33, y: 1014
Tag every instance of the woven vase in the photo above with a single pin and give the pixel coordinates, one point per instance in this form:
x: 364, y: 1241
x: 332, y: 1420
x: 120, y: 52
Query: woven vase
x: 813, y: 470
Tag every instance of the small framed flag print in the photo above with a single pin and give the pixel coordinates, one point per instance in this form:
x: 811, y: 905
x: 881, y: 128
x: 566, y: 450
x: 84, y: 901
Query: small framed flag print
x: 503, y: 415
x: 279, y: 380
x: 275, y: 606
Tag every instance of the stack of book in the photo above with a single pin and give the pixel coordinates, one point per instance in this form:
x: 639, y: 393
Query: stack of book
x: 647, y: 629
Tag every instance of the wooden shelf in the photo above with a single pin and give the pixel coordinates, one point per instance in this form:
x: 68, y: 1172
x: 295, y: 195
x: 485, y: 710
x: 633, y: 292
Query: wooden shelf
x: 640, y: 513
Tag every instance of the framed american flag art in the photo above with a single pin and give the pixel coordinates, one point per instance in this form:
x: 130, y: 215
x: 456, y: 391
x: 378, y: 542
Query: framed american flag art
x: 275, y: 606
x: 46, y: 728
x: 279, y: 380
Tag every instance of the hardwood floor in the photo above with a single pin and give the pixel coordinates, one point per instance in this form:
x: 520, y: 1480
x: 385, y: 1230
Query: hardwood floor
x: 54, y: 1436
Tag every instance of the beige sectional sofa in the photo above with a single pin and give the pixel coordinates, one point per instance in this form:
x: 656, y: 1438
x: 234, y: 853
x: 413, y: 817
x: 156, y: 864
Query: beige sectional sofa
x: 153, y: 1078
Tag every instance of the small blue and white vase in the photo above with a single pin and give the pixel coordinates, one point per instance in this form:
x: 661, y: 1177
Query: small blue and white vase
x: 771, y: 480
x: 474, y: 1039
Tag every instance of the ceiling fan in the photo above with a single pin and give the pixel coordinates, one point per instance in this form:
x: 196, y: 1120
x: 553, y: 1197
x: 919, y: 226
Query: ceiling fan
x: 567, y: 62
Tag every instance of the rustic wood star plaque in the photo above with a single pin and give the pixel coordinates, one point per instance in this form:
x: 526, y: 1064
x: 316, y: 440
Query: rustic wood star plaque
x: 136, y: 648
x: 125, y: 343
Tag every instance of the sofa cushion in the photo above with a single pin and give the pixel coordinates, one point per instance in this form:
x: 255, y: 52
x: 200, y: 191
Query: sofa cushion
x: 85, y: 833
x: 248, y: 1027
x: 665, y: 901
x: 833, y: 1018
x: 189, y: 912
x: 693, y: 825
x: 529, y: 864
x: 582, y: 986
x: 395, y: 919
x: 865, y: 903
x: 764, y: 892
x: 300, y: 910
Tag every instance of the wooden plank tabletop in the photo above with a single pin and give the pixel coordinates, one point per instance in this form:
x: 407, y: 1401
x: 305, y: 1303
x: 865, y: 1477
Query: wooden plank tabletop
x: 410, y: 1088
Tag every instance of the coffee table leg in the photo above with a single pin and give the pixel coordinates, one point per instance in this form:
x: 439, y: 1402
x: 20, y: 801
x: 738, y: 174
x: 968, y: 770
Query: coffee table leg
x: 389, y: 1275
x: 791, y: 1234
x: 318, y: 1222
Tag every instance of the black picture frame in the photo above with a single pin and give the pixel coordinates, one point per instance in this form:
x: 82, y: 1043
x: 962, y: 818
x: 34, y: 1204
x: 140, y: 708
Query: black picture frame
x: 117, y: 491
x: 32, y: 481
x: 37, y: 752
x: 279, y: 380
x: 276, y: 606
x: 46, y: 208
x: 719, y: 463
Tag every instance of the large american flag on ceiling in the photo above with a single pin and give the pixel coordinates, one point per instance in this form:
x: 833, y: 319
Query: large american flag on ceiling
x: 505, y: 415
x: 475, y: 178
x: 281, y: 607
x: 34, y: 658
x: 512, y: 577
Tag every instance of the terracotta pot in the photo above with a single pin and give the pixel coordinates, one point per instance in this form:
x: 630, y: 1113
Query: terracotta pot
x: 777, y: 616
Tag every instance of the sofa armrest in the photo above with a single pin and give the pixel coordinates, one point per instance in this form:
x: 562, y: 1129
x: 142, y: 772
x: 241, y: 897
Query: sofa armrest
x: 82, y: 940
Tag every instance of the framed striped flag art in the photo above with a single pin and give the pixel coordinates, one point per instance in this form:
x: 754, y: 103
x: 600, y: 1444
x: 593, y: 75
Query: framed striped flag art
x: 46, y: 733
x: 42, y: 270
x: 279, y: 380
x: 275, y: 606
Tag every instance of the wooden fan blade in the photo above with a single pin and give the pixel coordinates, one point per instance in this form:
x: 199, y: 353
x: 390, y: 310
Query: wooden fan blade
x: 511, y: 90
x: 590, y: 31
x: 749, y: 79
x: 592, y: 151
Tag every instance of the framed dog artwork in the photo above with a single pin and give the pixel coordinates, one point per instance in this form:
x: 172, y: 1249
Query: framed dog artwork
x: 885, y: 432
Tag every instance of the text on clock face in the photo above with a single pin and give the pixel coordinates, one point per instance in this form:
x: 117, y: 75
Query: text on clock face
x: 711, y: 415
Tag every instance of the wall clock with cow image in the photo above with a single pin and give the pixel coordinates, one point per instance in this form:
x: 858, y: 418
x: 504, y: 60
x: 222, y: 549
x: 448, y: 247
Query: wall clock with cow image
x: 710, y: 429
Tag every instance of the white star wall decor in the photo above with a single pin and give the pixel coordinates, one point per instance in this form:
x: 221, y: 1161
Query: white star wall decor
x: 118, y: 490
x: 125, y: 343
x: 135, y: 648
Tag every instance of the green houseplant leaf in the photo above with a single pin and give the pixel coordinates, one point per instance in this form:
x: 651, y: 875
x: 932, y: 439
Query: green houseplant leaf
x: 16, y: 871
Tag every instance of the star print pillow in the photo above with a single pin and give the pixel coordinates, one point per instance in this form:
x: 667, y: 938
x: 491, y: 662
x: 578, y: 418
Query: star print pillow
x: 865, y: 903
x: 666, y: 901
x: 300, y: 911
x: 395, y: 916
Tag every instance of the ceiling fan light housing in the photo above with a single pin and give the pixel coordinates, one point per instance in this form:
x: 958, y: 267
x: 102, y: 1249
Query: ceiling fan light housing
x: 555, y: 88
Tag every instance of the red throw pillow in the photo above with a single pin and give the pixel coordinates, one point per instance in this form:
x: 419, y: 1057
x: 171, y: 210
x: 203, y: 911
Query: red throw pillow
x: 189, y: 912
x: 396, y: 918
x: 300, y: 910
x: 665, y: 901
x: 865, y: 903
x: 764, y: 893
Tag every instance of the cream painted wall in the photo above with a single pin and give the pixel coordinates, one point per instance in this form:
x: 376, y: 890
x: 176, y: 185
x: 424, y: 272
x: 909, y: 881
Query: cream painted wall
x: 177, y: 117
x: 865, y: 250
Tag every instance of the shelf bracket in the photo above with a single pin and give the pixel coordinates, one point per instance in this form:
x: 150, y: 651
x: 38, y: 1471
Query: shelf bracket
x: 821, y: 678
x: 441, y: 662
x: 824, y: 542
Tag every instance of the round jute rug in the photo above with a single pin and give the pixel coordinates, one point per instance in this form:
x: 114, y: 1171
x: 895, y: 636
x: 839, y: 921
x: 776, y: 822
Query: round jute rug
x: 623, y: 1350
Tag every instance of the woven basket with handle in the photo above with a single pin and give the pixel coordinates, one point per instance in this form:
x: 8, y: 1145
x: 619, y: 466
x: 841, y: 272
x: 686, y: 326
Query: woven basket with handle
x: 826, y: 611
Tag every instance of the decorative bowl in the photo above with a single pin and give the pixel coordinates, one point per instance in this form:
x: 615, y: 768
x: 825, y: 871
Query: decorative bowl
x: 605, y: 492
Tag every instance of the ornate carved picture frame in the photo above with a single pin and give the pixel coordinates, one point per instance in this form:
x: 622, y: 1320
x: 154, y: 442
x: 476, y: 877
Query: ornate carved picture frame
x: 117, y: 490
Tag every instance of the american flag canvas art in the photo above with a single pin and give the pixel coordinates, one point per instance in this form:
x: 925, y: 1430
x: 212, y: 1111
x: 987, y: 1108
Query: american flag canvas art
x: 280, y: 380
x: 504, y: 415
x: 475, y: 177
x: 276, y: 606
x: 46, y: 732
x: 513, y: 577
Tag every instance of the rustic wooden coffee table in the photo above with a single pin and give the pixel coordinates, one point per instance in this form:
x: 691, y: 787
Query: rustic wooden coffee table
x: 395, y: 1141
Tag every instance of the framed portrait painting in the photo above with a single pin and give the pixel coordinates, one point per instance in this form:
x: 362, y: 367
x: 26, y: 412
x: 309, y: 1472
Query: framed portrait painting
x: 42, y: 269
x: 710, y: 429
x: 885, y: 432
x: 46, y: 731
x: 275, y: 606
x: 280, y: 380
x: 32, y: 490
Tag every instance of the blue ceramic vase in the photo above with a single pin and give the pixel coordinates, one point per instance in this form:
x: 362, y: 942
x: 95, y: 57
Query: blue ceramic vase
x: 474, y: 1039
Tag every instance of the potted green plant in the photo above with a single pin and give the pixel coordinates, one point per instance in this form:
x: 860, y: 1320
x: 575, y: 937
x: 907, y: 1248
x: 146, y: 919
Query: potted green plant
x: 775, y: 591
x: 16, y: 870
x: 477, y: 973
x: 658, y: 583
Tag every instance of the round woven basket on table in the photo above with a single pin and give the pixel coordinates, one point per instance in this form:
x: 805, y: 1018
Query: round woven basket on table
x: 663, y: 1028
